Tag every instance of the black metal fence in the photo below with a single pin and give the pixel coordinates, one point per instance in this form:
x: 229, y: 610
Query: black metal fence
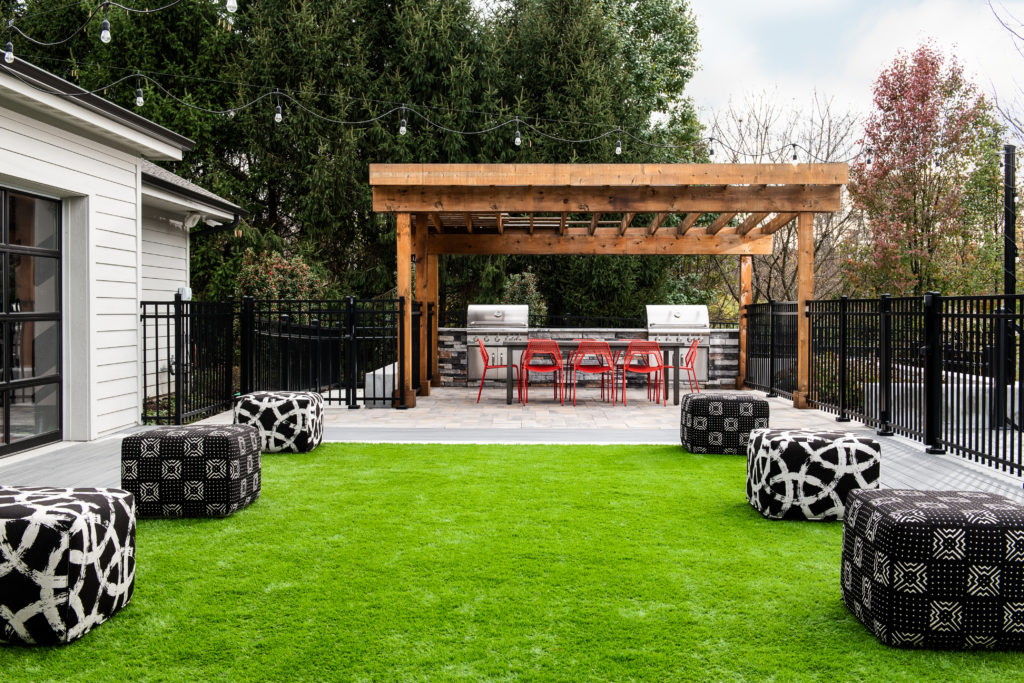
x: 197, y: 356
x: 943, y: 370
x: 771, y: 347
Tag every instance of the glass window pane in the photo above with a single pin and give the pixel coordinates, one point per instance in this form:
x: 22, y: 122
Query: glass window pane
x: 34, y: 349
x: 33, y: 222
x: 34, y: 411
x: 32, y: 285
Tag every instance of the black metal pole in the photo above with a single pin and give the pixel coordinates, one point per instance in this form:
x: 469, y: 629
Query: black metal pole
x: 933, y: 390
x: 179, y: 363
x: 247, y: 332
x: 351, y: 365
x: 884, y: 369
x: 843, y: 306
x: 999, y: 386
x: 771, y: 348
x: 1009, y: 221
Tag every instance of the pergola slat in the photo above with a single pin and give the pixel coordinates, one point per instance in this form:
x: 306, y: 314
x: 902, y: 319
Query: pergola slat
x: 687, y: 223
x: 777, y: 223
x: 720, y: 222
x: 751, y: 222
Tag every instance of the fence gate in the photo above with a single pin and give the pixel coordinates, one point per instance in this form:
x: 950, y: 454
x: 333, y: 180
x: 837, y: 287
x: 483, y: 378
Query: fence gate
x: 197, y: 356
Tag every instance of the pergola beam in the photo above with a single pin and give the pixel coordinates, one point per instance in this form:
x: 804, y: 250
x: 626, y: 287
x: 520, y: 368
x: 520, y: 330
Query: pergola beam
x: 627, y: 218
x: 593, y: 222
x: 659, y: 218
x: 687, y: 223
x: 561, y: 224
x: 649, y: 199
x: 697, y: 242
x: 777, y: 223
x: 720, y: 222
x: 750, y: 222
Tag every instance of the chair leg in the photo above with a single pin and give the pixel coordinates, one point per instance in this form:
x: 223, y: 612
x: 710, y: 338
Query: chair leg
x: 479, y: 393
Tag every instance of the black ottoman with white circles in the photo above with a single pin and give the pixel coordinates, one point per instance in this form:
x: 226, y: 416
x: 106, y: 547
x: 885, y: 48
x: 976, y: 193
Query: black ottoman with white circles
x: 793, y: 474
x: 935, y: 569
x: 720, y: 422
x: 67, y: 561
x: 290, y: 421
x: 193, y: 471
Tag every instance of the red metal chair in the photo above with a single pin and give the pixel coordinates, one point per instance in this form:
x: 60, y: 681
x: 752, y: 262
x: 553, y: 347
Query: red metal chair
x: 488, y: 366
x: 544, y: 356
x: 600, y: 352
x: 688, y: 363
x: 644, y: 357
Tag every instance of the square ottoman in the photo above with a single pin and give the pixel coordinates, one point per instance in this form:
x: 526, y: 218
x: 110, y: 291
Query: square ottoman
x: 793, y: 474
x: 290, y: 421
x: 67, y: 561
x: 720, y: 422
x: 193, y: 471
x: 935, y: 569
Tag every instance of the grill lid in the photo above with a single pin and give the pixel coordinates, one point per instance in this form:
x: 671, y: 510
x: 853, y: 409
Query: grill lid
x: 497, y: 316
x: 677, y: 318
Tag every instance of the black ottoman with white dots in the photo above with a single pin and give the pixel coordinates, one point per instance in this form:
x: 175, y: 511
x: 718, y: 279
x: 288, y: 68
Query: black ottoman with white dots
x: 67, y: 561
x: 193, y: 471
x: 793, y: 474
x: 291, y: 421
x: 935, y: 569
x: 720, y: 422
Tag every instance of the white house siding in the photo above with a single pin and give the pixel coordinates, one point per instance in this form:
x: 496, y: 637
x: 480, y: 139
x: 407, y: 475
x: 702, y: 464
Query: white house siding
x: 164, y: 259
x: 35, y: 155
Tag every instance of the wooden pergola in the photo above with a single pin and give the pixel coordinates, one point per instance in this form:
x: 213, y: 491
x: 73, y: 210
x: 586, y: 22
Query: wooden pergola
x: 600, y: 209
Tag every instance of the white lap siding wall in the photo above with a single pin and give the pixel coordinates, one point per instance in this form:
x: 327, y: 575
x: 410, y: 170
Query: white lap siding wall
x: 100, y: 187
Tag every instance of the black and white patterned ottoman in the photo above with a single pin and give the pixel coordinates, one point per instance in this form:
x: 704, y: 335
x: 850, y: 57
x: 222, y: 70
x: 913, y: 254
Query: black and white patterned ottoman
x: 193, y: 471
x: 290, y: 421
x: 793, y: 474
x: 936, y: 569
x: 720, y: 422
x: 67, y: 561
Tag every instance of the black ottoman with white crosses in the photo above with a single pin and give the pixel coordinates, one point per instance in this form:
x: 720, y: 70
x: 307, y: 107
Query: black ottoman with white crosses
x: 193, y: 471
x: 720, y: 422
x: 67, y: 561
x: 936, y: 569
x: 288, y: 421
x: 794, y: 474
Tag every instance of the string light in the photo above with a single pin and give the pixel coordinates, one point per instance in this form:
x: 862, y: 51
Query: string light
x: 231, y: 6
x: 9, y: 52
x: 405, y: 111
x: 402, y: 128
x: 794, y: 154
x: 138, y: 93
x: 105, y: 27
x: 868, y: 163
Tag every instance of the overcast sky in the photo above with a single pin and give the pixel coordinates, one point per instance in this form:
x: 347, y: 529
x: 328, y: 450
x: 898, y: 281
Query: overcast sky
x: 791, y: 47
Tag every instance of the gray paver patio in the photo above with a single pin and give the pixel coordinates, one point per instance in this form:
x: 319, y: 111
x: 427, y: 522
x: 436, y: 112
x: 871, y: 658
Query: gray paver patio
x: 451, y: 415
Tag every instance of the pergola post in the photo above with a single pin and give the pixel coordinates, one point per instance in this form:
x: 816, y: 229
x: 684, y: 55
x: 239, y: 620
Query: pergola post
x: 419, y: 241
x: 804, y: 293
x: 403, y: 230
x: 746, y: 276
x: 432, y: 296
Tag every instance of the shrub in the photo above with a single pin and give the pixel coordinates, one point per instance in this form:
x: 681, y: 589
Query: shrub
x: 521, y: 288
x: 272, y: 275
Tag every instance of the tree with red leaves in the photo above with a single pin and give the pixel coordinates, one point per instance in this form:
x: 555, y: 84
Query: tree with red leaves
x: 931, y: 191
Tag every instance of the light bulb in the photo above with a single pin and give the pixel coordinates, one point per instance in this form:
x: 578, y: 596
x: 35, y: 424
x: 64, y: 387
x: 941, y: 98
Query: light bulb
x: 402, y: 129
x: 277, y: 114
x: 519, y: 138
x: 794, y: 155
x: 138, y: 98
x: 9, y: 52
x: 231, y: 113
x: 231, y: 5
x: 618, y: 146
x: 105, y: 31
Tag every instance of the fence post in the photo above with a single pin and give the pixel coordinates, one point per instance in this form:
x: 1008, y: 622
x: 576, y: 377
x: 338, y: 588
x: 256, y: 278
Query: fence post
x: 844, y: 302
x: 430, y: 343
x: 998, y: 419
x: 884, y: 369
x: 933, y: 373
x: 771, y: 349
x: 350, y: 350
x: 285, y: 332
x: 314, y: 365
x: 247, y: 331
x: 179, y: 365
x: 401, y: 354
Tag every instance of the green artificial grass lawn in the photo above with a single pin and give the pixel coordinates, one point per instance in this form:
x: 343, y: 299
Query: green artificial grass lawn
x: 445, y: 562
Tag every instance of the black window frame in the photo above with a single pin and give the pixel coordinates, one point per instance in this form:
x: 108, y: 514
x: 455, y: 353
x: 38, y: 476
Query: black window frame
x: 8, y: 385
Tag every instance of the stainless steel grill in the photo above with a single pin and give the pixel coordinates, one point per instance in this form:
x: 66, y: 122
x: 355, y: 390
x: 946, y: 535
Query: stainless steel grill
x: 682, y: 323
x: 495, y: 325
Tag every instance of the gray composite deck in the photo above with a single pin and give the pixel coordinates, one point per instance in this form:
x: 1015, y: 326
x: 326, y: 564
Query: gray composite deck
x: 904, y: 462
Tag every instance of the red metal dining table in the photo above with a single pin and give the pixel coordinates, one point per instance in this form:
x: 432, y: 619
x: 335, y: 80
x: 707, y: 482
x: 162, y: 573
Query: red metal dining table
x: 667, y: 348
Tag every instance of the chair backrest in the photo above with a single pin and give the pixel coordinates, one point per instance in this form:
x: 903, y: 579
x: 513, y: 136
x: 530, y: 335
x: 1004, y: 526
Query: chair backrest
x: 691, y: 354
x: 483, y: 352
x: 592, y: 347
x: 647, y: 352
x: 542, y: 347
